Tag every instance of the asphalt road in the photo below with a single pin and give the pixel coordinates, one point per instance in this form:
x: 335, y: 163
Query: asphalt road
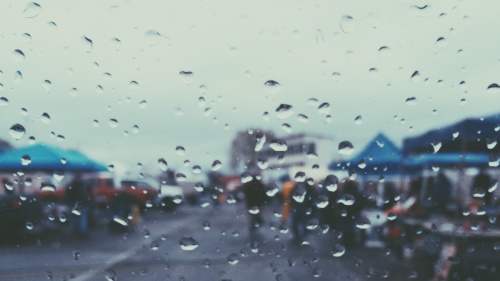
x: 216, y: 245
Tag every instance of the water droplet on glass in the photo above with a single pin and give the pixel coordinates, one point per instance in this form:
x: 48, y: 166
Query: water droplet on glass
x: 180, y: 177
x: 246, y: 177
x: 45, y: 118
x: 436, y: 146
x: 411, y: 101
x: 18, y: 55
x: 346, y: 200
x: 347, y: 24
x: 278, y: 145
x: 113, y: 123
x: 302, y: 118
x: 272, y: 87
x: 88, y: 44
x: 233, y: 259
x: 331, y: 183
x: 188, y: 243
x: 25, y: 160
x: 363, y: 223
x: 415, y: 77
x: 286, y: 127
x: 133, y: 85
x: 324, y: 108
x: 384, y: 50
x: 32, y: 10
x: 30, y: 226
x: 493, y: 187
x: 494, y: 160
x: 391, y: 216
x: 17, y: 131
x: 18, y: 77
x: 187, y: 77
x: 345, y: 148
x: 143, y: 104
x: 493, y: 88
x: 491, y: 143
x: 180, y: 150
x: 216, y: 165
x: 338, y: 251
x: 284, y: 111
x: 46, y: 186
x: 336, y: 76
x: 441, y: 42
x: 206, y: 263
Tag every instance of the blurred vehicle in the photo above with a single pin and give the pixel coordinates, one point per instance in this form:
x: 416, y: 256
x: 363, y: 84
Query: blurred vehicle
x: 145, y: 191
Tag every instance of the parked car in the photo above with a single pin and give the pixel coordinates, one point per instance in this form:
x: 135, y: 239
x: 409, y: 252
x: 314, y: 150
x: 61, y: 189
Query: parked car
x: 170, y: 196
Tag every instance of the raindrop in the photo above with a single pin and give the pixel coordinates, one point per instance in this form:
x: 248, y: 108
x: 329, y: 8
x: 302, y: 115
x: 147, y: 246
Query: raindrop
x: 30, y: 226
x: 272, y: 87
x: 441, y: 42
x: 180, y: 177
x: 18, y: 77
x: 494, y: 161
x: 99, y: 89
x: 216, y: 165
x: 45, y: 118
x: 331, y: 183
x: 153, y: 37
x: 110, y: 274
x: 347, y: 200
x: 391, y: 216
x: 180, y: 150
x: 345, y: 148
x: 246, y: 177
x: 45, y: 186
x: 143, y: 104
x: 491, y: 143
x: 260, y: 140
x: 363, y: 223
x: 25, y: 160
x: 347, y: 24
x: 436, y: 146
x: 187, y: 77
x: 32, y: 10
x: 188, y: 243
x: 4, y: 101
x: 336, y: 76
x: 73, y: 92
x: 286, y: 127
x: 324, y: 108
x: 415, y: 77
x: 411, y: 101
x: 384, y: 50
x: 18, y: 55
x: 206, y: 263
x: 133, y: 85
x: 113, y: 123
x: 196, y: 169
x: 493, y: 187
x: 135, y: 129
x: 338, y: 251
x: 88, y: 43
x: 284, y: 111
x: 17, y: 131
x: 493, y: 89
x: 362, y: 164
x: 206, y: 225
x: 278, y: 145
x: 302, y: 118
x: 233, y: 258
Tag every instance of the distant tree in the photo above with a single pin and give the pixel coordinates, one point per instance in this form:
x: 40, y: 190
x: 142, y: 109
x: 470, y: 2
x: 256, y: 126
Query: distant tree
x: 245, y: 149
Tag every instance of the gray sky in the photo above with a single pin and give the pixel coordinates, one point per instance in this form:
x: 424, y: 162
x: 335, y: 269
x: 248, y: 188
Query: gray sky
x: 232, y: 48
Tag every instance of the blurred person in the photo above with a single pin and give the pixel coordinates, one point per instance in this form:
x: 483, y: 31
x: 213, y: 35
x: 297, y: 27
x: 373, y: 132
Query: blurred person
x: 301, y: 209
x: 79, y: 198
x: 255, y: 199
x: 441, y: 194
x: 351, y: 204
x: 480, y: 186
x: 286, y: 192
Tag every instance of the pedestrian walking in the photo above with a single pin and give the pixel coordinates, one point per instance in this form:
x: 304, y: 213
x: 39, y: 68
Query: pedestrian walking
x: 302, y: 208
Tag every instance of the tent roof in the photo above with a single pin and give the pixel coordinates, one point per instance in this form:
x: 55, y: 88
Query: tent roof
x: 473, y: 136
x: 447, y: 160
x: 381, y: 155
x: 47, y: 158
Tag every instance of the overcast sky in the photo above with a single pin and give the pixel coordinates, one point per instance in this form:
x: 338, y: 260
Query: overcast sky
x: 99, y: 60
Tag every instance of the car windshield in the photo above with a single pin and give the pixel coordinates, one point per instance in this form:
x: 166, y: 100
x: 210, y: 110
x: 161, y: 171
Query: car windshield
x: 264, y: 140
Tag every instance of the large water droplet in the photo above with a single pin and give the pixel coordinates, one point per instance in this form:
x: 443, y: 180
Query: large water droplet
x: 260, y: 140
x: 415, y: 77
x: 180, y: 150
x: 272, y: 87
x: 363, y: 223
x: 216, y: 165
x: 324, y: 108
x: 162, y: 164
x: 32, y: 10
x: 436, y: 146
x: 494, y: 160
x: 278, y: 145
x: 331, y: 183
x: 188, y: 243
x: 346, y: 200
x: 302, y: 118
x: 338, y: 251
x: 187, y: 77
x: 17, y: 131
x: 4, y: 102
x: 45, y: 118
x: 345, y: 148
x: 233, y: 258
x: 18, y: 55
x: 46, y: 186
x: 25, y: 160
x: 284, y: 111
x: 441, y: 42
x: 18, y: 77
x: 113, y: 123
x: 347, y: 24
x: 493, y: 89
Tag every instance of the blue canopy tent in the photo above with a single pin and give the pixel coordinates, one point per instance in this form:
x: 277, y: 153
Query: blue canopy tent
x: 471, y: 135
x: 380, y: 157
x: 448, y: 160
x: 43, y: 157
